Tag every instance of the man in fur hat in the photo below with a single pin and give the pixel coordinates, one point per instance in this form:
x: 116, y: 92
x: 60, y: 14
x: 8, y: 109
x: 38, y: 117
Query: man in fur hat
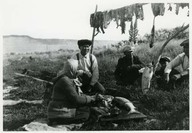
x: 127, y: 69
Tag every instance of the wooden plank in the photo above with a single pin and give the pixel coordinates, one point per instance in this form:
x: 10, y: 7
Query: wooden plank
x: 93, y: 35
x: 125, y: 116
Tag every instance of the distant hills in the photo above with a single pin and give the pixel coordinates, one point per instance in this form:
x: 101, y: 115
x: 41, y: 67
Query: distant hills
x: 24, y: 44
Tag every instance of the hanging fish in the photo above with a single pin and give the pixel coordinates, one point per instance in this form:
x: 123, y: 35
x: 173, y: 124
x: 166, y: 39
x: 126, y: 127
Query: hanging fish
x: 123, y: 26
x: 177, y: 9
x: 139, y: 11
x: 170, y: 7
x: 129, y: 12
x: 100, y: 21
x: 106, y: 18
x: 158, y: 9
x: 97, y: 21
x: 116, y: 16
x: 182, y: 5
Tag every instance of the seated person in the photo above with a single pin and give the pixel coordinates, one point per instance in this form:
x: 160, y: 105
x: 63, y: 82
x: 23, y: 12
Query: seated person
x: 127, y: 69
x: 88, y: 68
x: 183, y: 60
x: 163, y: 63
x: 160, y: 72
x: 68, y: 104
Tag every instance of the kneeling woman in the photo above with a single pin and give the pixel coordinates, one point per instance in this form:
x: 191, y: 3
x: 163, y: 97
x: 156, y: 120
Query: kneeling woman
x: 68, y: 104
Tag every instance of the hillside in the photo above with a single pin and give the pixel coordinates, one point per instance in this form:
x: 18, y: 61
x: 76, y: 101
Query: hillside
x: 27, y: 44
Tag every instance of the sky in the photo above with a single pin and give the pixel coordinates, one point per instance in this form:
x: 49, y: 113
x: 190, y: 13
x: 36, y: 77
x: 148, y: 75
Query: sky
x: 69, y: 19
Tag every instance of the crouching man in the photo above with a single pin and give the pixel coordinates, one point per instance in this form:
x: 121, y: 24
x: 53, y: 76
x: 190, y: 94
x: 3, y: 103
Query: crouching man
x: 68, y: 104
x: 127, y: 69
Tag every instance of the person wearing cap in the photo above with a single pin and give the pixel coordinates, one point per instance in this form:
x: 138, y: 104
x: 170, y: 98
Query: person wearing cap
x: 68, y: 104
x: 183, y: 60
x: 162, y: 64
x: 88, y: 68
x: 160, y: 72
x: 127, y: 69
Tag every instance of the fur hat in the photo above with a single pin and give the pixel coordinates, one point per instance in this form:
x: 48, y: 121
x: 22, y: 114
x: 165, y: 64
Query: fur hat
x: 185, y: 43
x: 84, y: 42
x: 127, y: 49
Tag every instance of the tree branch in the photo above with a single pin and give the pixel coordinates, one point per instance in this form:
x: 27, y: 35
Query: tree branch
x: 162, y: 48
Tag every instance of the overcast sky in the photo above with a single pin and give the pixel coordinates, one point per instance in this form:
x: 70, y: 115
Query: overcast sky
x: 69, y: 19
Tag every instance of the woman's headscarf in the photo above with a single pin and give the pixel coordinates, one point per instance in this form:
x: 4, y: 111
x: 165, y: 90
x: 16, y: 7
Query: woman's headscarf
x: 70, y: 68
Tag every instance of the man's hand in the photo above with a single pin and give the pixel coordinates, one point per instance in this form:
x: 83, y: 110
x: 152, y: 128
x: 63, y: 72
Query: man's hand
x: 176, y: 76
x: 96, y: 97
x: 88, y: 74
x: 77, y: 82
x: 93, y: 98
x: 166, y: 77
x: 99, y: 97
x: 80, y: 72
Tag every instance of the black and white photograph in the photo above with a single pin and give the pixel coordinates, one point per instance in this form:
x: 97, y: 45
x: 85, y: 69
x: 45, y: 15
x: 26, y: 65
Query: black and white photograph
x: 95, y: 65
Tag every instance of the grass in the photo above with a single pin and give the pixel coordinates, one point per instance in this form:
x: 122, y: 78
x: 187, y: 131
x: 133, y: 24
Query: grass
x: 169, y: 110
x: 21, y: 114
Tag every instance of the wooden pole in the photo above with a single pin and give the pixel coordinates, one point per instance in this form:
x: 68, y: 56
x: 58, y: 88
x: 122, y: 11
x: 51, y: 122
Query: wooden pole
x: 93, y: 35
x: 41, y: 80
